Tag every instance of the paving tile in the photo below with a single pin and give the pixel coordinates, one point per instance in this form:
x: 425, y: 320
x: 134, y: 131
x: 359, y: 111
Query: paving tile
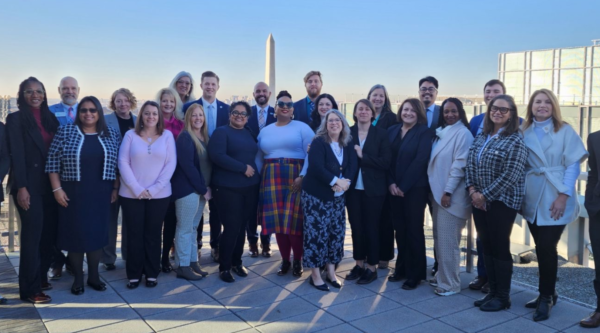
x: 578, y: 329
x: 228, y: 323
x: 431, y: 326
x: 184, y: 316
x: 79, y: 305
x: 343, y: 328
x: 276, y: 311
x: 518, y: 303
x: 240, y: 286
x: 92, y: 320
x: 301, y: 287
x: 381, y: 284
x: 142, y: 293
x: 152, y: 307
x: 309, y: 322
x: 443, y: 305
x: 474, y: 320
x: 117, y: 274
x: 129, y: 326
x: 287, y: 279
x: 65, y: 296
x: 390, y: 321
x: 519, y: 325
x: 422, y: 293
x: 266, y: 268
x: 257, y: 298
x: 364, y: 307
x: 337, y: 296
x: 564, y: 315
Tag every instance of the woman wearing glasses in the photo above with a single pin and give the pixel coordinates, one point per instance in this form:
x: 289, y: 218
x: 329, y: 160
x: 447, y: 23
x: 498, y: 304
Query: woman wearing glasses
x: 232, y: 149
x: 495, y: 181
x: 82, y: 164
x: 283, y: 147
x: 184, y: 84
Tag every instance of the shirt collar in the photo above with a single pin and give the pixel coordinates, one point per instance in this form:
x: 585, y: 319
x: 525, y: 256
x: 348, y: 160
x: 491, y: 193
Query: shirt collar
x: 431, y: 108
x: 66, y: 107
x: 206, y: 104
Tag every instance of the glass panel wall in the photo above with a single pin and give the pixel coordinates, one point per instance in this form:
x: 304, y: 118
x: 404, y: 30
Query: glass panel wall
x: 542, y: 59
x: 572, y: 58
x: 515, y: 85
x: 571, y: 86
x: 596, y: 85
x: 515, y: 61
x: 541, y: 79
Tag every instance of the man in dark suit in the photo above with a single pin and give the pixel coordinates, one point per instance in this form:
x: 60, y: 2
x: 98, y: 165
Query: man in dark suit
x: 216, y: 115
x: 313, y: 83
x: 428, y: 90
x: 592, y: 205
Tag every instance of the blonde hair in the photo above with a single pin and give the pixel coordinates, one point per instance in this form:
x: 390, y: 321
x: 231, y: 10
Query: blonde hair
x: 178, y: 104
x: 190, y: 96
x: 556, y: 115
x: 188, y: 128
x: 125, y: 92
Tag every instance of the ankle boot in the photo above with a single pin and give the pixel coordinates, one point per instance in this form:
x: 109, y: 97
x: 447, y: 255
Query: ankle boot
x: 297, y: 268
x: 284, y: 268
x: 501, y: 300
x: 542, y: 312
x: 534, y: 302
x: 489, y: 262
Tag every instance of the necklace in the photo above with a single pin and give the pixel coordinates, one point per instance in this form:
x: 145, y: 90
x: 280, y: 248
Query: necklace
x: 149, y: 145
x: 339, y: 152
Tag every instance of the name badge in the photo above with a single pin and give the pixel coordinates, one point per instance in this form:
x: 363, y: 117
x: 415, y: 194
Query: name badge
x: 60, y: 114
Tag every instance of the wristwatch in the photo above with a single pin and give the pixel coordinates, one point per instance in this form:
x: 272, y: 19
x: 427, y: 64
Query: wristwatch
x: 448, y: 194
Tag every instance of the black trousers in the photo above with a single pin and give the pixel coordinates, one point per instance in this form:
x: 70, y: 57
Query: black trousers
x: 386, y: 231
x: 168, y: 235
x: 364, y: 214
x: 144, y: 226
x: 236, y: 206
x: 494, y: 227
x: 408, y: 215
x: 214, y: 222
x: 253, y: 235
x: 546, y: 240
x: 595, y: 240
x: 38, y: 242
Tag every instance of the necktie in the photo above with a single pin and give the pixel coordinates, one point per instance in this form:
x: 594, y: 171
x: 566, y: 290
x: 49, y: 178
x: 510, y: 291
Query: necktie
x: 312, y: 107
x: 261, y: 119
x: 71, y: 115
x: 210, y: 117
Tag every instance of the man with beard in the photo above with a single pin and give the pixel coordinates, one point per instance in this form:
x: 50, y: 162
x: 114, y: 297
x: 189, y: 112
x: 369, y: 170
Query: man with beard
x: 304, y: 107
x: 262, y: 115
x: 428, y: 90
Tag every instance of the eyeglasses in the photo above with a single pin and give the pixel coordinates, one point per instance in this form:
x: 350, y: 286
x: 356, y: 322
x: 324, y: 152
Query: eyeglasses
x: 282, y: 105
x: 30, y: 92
x: 239, y: 114
x: 91, y: 110
x: 333, y: 121
x: 494, y: 109
x: 430, y: 89
x: 183, y: 83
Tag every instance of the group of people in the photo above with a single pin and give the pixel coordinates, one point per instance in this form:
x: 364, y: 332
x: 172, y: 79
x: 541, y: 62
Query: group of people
x: 293, y: 169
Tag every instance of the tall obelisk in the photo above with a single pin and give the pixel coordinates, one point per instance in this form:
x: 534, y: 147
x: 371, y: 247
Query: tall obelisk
x: 270, y: 68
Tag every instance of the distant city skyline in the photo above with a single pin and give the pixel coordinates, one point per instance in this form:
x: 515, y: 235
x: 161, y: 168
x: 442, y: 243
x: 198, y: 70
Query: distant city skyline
x: 355, y: 44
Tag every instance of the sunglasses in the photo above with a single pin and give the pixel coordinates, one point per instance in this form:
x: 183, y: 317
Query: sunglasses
x: 288, y: 105
x: 91, y: 110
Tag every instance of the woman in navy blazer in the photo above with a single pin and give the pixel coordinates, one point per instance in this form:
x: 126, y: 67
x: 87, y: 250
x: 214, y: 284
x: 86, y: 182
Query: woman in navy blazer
x: 409, y: 188
x: 332, y: 164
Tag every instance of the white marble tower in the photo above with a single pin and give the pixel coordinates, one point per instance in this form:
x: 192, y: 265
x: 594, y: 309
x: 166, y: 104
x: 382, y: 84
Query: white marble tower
x: 270, y: 68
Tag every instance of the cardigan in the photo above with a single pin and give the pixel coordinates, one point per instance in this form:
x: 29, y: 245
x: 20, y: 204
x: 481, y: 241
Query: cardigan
x: 64, y: 153
x: 545, y: 169
x: 500, y: 172
x: 231, y: 150
x: 188, y: 177
x: 446, y: 170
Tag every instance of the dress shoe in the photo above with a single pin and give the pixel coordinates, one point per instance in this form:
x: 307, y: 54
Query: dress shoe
x: 477, y: 283
x: 297, y: 268
x: 55, y: 273
x: 151, y: 283
x: 410, y: 284
x: 97, y: 286
x: 544, y: 305
x: 240, y: 270
x: 46, y: 286
x: 133, y: 284
x: 485, y: 288
x: 186, y: 272
x: 284, y: 268
x: 215, y: 254
x: 195, y: 265
x: 38, y: 298
x: 322, y: 287
x: 110, y: 267
x: 253, y: 250
x: 396, y: 277
x: 355, y: 273
x: 367, y: 277
x: 166, y: 268
x: 533, y: 303
x: 383, y: 264
x: 484, y: 300
x: 77, y: 290
x: 334, y: 283
x: 434, y: 269
x: 266, y: 250
x: 592, y: 321
x: 226, y: 276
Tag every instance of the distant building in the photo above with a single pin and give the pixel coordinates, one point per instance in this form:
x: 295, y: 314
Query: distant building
x: 573, y: 74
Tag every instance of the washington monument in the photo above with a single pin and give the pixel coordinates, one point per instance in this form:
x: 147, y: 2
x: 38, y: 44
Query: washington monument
x: 270, y: 68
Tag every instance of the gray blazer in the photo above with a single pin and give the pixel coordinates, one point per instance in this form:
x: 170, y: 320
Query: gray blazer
x: 111, y: 120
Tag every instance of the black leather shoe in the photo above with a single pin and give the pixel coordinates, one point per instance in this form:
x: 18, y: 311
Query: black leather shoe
x: 297, y: 269
x: 396, y: 277
x: 484, y: 300
x: 284, y: 268
x: 367, y: 277
x: 99, y: 287
x: 542, y: 312
x: 110, y: 267
x: 322, y: 287
x: 410, y: 284
x: 334, y: 283
x: 151, y: 283
x: 240, y: 270
x: 226, y: 276
x: 533, y: 303
x: 167, y: 268
x: 77, y: 290
x: 355, y: 273
x: 478, y: 283
x: 133, y: 285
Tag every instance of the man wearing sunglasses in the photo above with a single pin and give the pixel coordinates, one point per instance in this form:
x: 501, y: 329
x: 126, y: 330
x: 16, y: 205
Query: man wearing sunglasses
x: 313, y: 83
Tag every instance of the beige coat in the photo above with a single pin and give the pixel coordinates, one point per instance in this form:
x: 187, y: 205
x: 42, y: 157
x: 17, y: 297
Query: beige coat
x: 446, y: 170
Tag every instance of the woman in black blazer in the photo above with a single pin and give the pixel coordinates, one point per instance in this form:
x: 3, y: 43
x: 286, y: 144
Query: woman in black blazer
x: 409, y: 188
x: 366, y: 196
x: 332, y: 165
x: 30, y: 132
x: 4, y: 165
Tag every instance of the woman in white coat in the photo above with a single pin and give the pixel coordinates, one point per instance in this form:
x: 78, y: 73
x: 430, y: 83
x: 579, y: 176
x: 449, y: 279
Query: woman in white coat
x: 552, y: 168
x: 449, y: 200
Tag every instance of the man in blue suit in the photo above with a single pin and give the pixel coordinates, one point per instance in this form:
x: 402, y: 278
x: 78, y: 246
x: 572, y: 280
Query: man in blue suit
x: 65, y: 110
x: 303, y: 108
x: 428, y: 90
x: 216, y: 115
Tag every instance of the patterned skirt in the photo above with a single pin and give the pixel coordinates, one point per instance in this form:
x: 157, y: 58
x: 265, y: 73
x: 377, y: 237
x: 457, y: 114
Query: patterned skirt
x: 279, y: 209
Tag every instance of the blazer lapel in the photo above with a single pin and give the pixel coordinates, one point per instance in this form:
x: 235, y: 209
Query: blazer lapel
x: 407, y: 137
x: 442, y: 144
x: 36, y: 135
x: 532, y: 142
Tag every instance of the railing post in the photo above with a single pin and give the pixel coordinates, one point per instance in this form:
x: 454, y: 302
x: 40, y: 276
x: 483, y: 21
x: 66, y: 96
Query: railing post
x: 470, y: 245
x: 11, y: 226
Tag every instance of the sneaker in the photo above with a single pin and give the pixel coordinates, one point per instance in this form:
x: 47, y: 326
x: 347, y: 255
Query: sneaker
x: 443, y: 292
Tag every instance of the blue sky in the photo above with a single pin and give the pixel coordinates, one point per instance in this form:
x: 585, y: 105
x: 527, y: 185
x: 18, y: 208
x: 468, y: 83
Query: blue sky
x: 111, y: 44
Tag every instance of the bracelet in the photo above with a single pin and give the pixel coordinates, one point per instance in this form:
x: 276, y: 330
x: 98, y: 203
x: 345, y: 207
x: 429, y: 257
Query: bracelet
x: 57, y: 189
x: 472, y: 192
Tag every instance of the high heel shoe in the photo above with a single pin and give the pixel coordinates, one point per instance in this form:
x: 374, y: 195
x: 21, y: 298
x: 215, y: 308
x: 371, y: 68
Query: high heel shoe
x: 322, y: 287
x: 77, y: 290
x: 99, y: 287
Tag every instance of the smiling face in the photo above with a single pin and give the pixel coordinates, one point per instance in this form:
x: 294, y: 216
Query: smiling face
x: 334, y: 125
x: 313, y: 86
x: 88, y: 114
x: 261, y: 94
x: 34, y: 95
x: 150, y: 116
x: 377, y: 98
x: 324, y: 105
x: 69, y: 91
x: 197, y: 119
x: 238, y: 117
x: 408, y: 114
x: 183, y: 85
x: 490, y: 92
x: 209, y: 86
x: 167, y: 104
x: 123, y: 105
x: 542, y: 107
x: 284, y: 112
x: 363, y: 113
x: 427, y: 93
x: 498, y: 118
x: 451, y: 115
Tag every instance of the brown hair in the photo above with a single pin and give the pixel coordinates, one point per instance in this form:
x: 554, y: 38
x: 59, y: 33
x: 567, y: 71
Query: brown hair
x: 311, y: 73
x: 417, y: 105
x: 139, y: 125
x: 556, y: 115
x: 511, y: 126
x: 125, y: 92
x: 209, y: 74
x: 368, y: 104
